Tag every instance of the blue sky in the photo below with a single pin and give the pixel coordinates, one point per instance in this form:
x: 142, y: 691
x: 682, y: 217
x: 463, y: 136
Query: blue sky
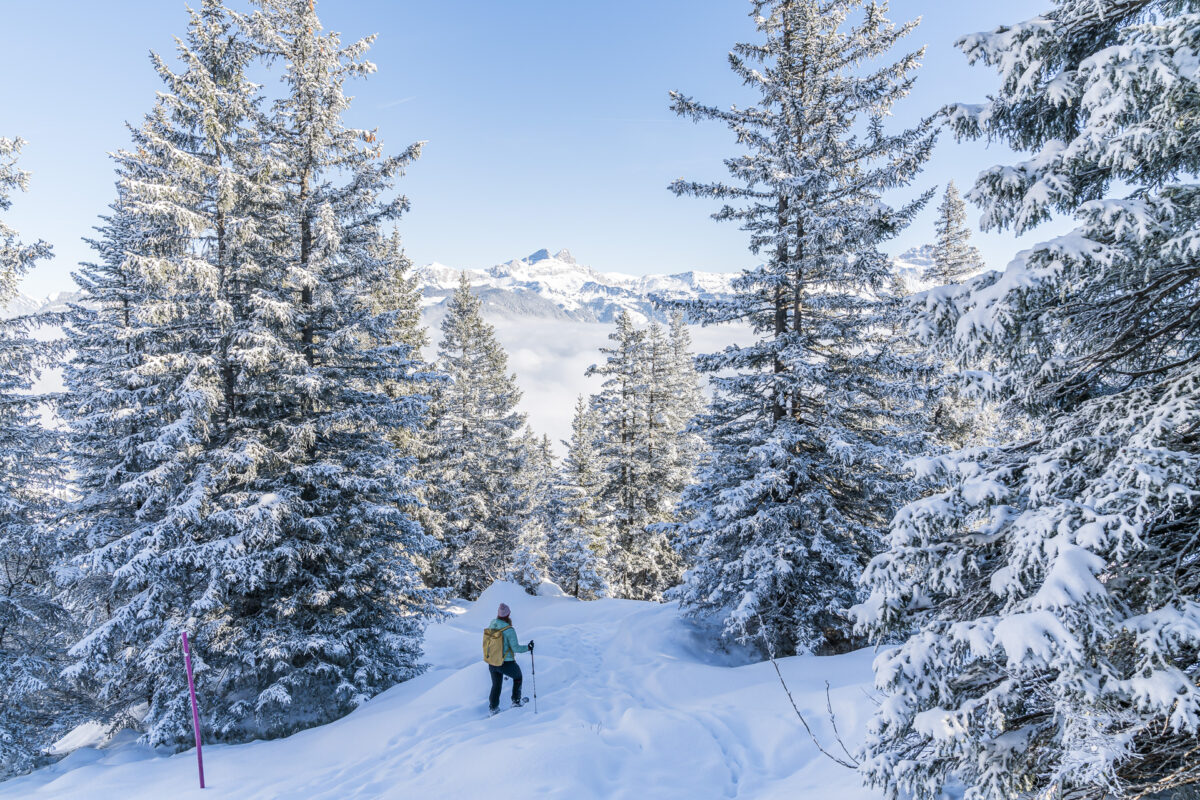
x: 547, y: 121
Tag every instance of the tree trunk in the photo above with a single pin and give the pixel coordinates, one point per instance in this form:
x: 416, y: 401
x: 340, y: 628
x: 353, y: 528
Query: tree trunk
x: 781, y: 310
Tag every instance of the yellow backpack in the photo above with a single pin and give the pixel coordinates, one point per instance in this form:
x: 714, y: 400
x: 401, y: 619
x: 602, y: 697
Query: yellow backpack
x: 493, y: 645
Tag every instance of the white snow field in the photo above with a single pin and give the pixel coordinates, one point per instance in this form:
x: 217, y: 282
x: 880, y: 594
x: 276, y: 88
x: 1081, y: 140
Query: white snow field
x: 631, y: 704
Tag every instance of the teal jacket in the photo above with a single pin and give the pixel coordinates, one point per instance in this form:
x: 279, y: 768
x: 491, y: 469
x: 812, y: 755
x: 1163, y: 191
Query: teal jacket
x: 510, y: 640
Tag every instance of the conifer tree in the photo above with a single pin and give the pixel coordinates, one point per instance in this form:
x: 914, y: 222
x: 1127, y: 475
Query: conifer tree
x: 811, y: 420
x: 581, y: 537
x: 400, y: 295
x: 646, y: 452
x: 1052, y: 582
x: 474, y: 469
x: 112, y: 410
x: 148, y: 349
x: 35, y: 706
x: 542, y: 478
x: 257, y: 503
x: 355, y: 601
x: 151, y: 343
x: 663, y: 460
x: 624, y: 405
x: 686, y: 403
x: 657, y: 439
x: 16, y: 257
x: 539, y: 487
x: 954, y: 257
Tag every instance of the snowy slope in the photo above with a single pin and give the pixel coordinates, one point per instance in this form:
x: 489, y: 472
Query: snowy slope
x: 631, y: 705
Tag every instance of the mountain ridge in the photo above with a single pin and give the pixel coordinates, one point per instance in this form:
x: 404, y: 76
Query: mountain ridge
x: 557, y: 286
x: 549, y: 313
x: 548, y: 285
x: 568, y: 289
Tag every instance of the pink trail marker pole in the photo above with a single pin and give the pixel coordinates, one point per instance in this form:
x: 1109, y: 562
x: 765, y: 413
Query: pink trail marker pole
x: 187, y: 657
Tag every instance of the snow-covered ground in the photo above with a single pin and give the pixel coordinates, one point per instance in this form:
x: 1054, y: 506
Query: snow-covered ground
x: 631, y: 704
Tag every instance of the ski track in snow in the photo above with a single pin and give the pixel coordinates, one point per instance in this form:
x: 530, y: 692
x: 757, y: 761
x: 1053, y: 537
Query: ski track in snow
x: 631, y: 705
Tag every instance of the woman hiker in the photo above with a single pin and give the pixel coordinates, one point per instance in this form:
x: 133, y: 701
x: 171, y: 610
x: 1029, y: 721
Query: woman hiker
x: 508, y: 647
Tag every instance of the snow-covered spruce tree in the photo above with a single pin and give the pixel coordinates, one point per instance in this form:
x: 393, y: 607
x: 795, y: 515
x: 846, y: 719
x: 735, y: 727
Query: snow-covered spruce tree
x: 152, y: 374
x: 659, y: 435
x: 528, y: 562
x: 112, y: 411
x: 579, y: 541
x: 810, y: 420
x: 400, y: 295
x: 687, y: 402
x: 35, y: 706
x: 16, y: 257
x: 1053, y: 582
x: 665, y: 469
x: 473, y: 472
x: 257, y: 503
x: 619, y: 407
x: 539, y: 487
x: 636, y: 451
x: 954, y: 257
x: 541, y: 476
x: 146, y: 376
x: 339, y: 611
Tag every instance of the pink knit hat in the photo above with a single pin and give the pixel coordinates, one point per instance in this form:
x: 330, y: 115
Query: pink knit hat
x: 503, y: 610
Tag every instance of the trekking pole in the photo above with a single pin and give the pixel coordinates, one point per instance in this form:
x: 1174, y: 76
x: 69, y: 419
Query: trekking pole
x: 187, y: 656
x: 533, y: 679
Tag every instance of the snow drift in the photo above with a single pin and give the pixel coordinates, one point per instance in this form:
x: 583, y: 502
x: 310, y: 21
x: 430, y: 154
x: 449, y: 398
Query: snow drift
x: 631, y: 701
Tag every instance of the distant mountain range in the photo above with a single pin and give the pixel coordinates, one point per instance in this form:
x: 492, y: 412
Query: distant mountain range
x: 552, y: 286
x: 911, y: 265
x: 558, y: 287
x: 23, y: 304
x: 552, y: 315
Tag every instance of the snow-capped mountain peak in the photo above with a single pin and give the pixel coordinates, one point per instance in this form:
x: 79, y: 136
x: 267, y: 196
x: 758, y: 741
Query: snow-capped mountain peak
x: 556, y: 285
x: 22, y: 304
x: 910, y: 267
x: 544, y: 255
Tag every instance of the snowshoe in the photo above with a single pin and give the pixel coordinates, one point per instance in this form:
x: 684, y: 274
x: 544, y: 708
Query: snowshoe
x: 524, y: 701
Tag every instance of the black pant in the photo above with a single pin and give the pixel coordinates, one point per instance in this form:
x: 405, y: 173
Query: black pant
x: 510, y: 669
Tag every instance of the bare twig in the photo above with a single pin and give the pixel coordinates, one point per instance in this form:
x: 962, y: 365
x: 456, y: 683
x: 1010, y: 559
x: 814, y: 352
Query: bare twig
x: 851, y: 764
x: 804, y: 722
x: 1184, y: 776
x: 833, y: 721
